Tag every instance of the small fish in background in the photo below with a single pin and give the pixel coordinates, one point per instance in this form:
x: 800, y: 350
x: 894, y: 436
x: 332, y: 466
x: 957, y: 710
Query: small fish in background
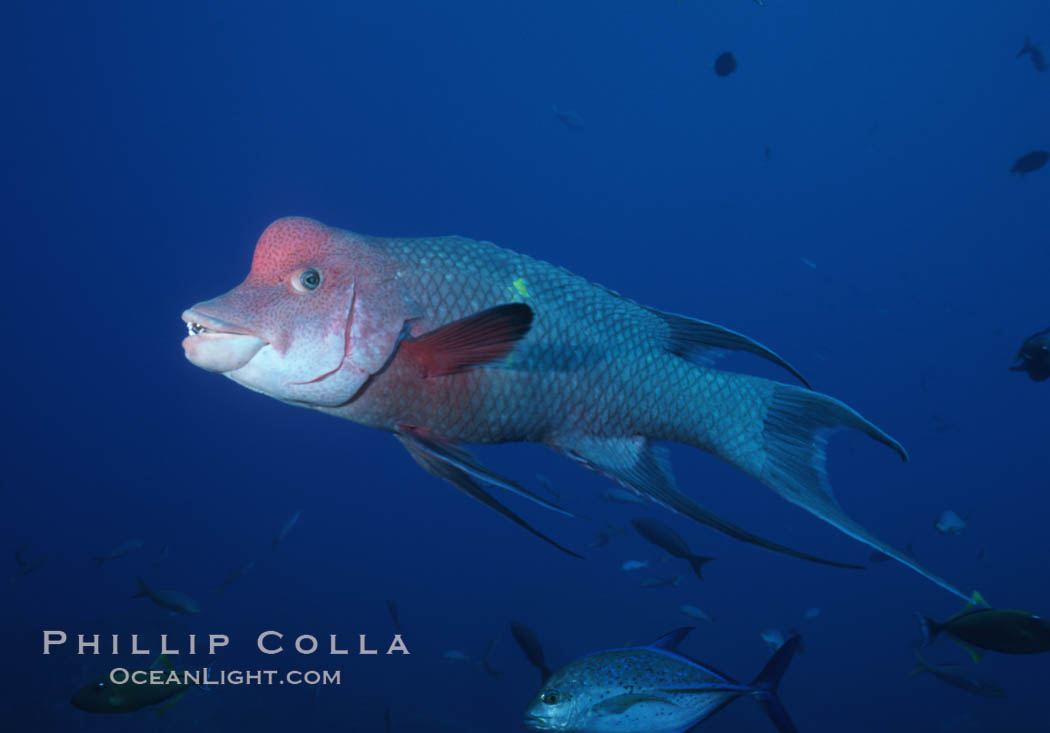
x: 486, y: 665
x: 455, y: 655
x: 568, y: 118
x: 950, y: 523
x: 286, y: 528
x: 233, y: 576
x: 953, y: 675
x: 725, y: 64
x: 1030, y: 162
x: 768, y: 154
x: 105, y: 696
x: 663, y: 536
x: 27, y: 561
x: 982, y: 554
x: 940, y: 425
x: 774, y: 639
x: 172, y: 600
x: 386, y: 718
x: 165, y: 553
x: 980, y: 627
x: 530, y: 645
x: 121, y: 550
x: 808, y: 263
x: 632, y: 565
x: 650, y: 689
x: 695, y: 613
x: 1034, y: 357
x: 1037, y: 53
x: 812, y: 612
x: 621, y: 496
x: 655, y: 582
x: 604, y: 535
x: 548, y: 486
x: 391, y: 608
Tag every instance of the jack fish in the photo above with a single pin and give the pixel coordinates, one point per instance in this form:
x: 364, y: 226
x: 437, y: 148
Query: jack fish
x: 651, y: 689
x: 448, y: 340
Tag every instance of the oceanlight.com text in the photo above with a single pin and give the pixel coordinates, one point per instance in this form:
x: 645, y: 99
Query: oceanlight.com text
x: 231, y: 677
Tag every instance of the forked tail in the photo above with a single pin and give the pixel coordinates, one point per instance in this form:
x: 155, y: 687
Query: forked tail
x: 765, y: 686
x: 795, y: 428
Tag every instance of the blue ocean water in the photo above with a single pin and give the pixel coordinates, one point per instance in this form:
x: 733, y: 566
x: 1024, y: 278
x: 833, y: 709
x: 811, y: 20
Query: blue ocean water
x: 844, y: 198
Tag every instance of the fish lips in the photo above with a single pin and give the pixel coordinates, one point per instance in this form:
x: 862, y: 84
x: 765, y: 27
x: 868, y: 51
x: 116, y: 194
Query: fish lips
x: 536, y: 722
x: 216, y: 345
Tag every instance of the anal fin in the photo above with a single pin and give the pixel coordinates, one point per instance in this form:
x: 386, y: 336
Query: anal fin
x: 636, y: 463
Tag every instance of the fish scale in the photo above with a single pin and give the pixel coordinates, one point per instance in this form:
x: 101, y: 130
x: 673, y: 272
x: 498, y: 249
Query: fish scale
x: 523, y: 351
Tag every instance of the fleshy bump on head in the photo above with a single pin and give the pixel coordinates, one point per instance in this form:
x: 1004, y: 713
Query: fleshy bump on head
x: 287, y: 243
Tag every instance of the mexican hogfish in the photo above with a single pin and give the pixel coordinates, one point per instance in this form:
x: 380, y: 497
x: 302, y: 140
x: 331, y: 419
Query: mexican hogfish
x: 448, y: 340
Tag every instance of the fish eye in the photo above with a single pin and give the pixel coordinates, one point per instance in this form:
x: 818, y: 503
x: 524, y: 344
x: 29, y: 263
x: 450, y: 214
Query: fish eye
x: 550, y: 698
x: 307, y: 280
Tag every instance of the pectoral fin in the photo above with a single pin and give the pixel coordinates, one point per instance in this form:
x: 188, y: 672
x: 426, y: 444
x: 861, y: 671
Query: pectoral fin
x: 622, y: 703
x: 473, y: 341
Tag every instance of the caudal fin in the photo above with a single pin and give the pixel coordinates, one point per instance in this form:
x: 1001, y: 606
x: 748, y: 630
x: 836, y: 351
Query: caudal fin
x: 928, y: 630
x: 795, y: 428
x: 765, y: 685
x: 143, y: 590
x: 697, y: 562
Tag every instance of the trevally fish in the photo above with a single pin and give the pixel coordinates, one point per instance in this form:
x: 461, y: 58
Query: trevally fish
x: 951, y: 674
x: 286, y: 527
x: 172, y: 600
x: 1034, y: 357
x: 444, y: 340
x: 694, y: 612
x: 661, y: 535
x: 950, y: 523
x: 655, y: 582
x: 124, y: 548
x: 234, y: 575
x: 106, y: 696
x: 650, y: 689
x: 1008, y: 631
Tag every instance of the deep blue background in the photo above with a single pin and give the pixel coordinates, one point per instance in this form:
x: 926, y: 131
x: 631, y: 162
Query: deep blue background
x: 144, y: 150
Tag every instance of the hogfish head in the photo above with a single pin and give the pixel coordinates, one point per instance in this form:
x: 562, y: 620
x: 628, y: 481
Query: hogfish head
x: 308, y: 324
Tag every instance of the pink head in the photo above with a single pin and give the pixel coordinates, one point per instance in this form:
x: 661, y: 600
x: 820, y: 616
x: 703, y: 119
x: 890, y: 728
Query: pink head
x: 299, y: 327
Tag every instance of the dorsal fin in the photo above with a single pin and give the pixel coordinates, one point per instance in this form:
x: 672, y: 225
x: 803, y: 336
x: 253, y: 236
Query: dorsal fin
x: 670, y: 642
x: 699, y: 341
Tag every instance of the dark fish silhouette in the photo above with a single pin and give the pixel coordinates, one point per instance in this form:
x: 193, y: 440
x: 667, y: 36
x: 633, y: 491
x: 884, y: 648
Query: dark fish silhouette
x: 391, y: 606
x: 1032, y: 161
x: 234, y: 575
x: 567, y: 117
x: 606, y: 533
x: 27, y: 562
x: 1034, y: 357
x: 531, y: 646
x: 725, y: 64
x: 1037, y: 53
x: 1008, y: 631
x: 661, y: 535
x: 951, y: 674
